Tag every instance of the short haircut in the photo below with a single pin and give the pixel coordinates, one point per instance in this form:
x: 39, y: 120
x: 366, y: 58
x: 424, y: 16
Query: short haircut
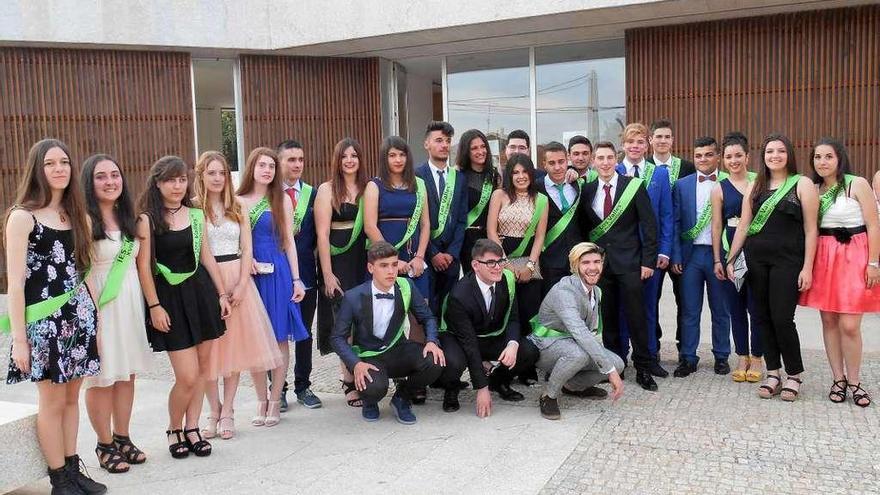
x: 486, y: 246
x: 379, y: 251
x: 438, y: 125
x: 579, y: 250
x: 735, y: 138
x: 579, y: 140
x: 519, y: 134
x: 605, y: 144
x: 553, y: 146
x: 661, y: 124
x: 703, y: 141
x: 634, y: 129
x: 289, y: 144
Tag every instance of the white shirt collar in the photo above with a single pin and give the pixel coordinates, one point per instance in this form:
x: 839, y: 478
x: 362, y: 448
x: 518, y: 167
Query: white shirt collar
x: 434, y: 168
x: 484, y: 287
x: 658, y: 161
x: 591, y: 293
x: 376, y: 290
x: 613, y: 181
x: 701, y: 174
x: 629, y: 165
x: 548, y: 182
x: 296, y: 185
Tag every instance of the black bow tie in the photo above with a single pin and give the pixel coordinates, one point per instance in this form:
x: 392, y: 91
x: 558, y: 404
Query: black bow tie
x: 383, y: 295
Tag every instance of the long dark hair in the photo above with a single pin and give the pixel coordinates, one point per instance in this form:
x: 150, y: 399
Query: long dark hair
x: 274, y: 191
x: 526, y: 162
x: 34, y: 193
x: 842, y: 160
x: 762, y: 182
x: 151, y: 203
x: 409, y: 173
x: 463, y: 156
x: 337, y: 181
x: 123, y: 209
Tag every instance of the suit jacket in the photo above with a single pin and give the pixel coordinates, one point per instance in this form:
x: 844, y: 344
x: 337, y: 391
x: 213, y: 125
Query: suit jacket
x: 684, y: 201
x: 687, y: 168
x: 626, y: 249
x: 660, y: 193
x: 453, y: 235
x: 556, y: 254
x: 355, y: 319
x: 567, y: 308
x: 306, y: 241
x: 466, y: 316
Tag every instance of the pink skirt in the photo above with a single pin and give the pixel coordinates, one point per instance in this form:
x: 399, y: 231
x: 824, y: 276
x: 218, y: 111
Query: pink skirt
x: 839, y: 278
x: 249, y: 342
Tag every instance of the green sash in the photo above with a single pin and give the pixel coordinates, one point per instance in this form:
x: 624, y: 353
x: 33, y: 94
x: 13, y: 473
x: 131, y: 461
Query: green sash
x: 301, y: 206
x: 628, y: 194
x: 117, y: 272
x: 592, y: 175
x: 445, y: 203
x: 540, y: 206
x: 477, y: 210
x: 828, y: 197
x: 197, y: 223
x: 559, y: 227
x: 45, y: 308
x: 648, y: 173
x: 510, y: 279
x: 402, y: 285
x: 767, y: 208
x: 539, y: 330
x: 725, y: 242
x: 355, y: 231
x: 674, y: 169
x: 705, y: 216
x: 416, y: 215
x: 257, y: 210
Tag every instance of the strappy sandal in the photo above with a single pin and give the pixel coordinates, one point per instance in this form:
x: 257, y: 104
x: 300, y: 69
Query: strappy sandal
x: 132, y: 454
x: 791, y: 394
x: 227, y: 427
x: 739, y: 374
x: 859, y: 395
x: 837, y: 394
x: 260, y: 418
x: 273, y: 413
x: 210, y: 429
x: 347, y: 388
x: 111, y: 459
x: 201, y: 447
x: 765, y: 391
x: 755, y: 371
x: 179, y: 449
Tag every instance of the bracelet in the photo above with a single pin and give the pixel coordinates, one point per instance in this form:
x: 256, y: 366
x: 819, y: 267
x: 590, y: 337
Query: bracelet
x: 221, y: 296
x: 718, y: 262
x: 296, y: 280
x: 874, y: 264
x: 151, y: 306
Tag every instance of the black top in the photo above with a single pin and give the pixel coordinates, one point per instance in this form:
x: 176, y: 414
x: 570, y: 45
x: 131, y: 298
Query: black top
x: 782, y: 239
x: 556, y: 254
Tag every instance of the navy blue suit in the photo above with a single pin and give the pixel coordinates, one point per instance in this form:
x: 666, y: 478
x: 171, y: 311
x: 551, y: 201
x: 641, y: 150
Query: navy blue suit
x: 452, y: 238
x: 306, y: 240
x: 697, y: 261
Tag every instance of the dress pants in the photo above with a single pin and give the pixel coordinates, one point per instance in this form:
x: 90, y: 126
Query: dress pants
x: 774, y: 286
x: 570, y: 366
x: 403, y: 361
x: 442, y: 282
x: 741, y: 304
x: 302, y: 367
x: 490, y: 349
x: 697, y: 274
x: 651, y: 298
x: 624, y: 293
x: 551, y: 277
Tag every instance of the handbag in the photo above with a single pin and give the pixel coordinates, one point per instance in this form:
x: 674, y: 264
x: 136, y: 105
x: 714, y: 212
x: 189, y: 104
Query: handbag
x: 739, y: 270
x: 519, y: 264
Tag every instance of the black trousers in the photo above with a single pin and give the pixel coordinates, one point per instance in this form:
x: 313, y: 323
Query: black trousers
x: 676, y: 291
x: 302, y: 367
x: 442, y: 282
x: 551, y: 277
x: 403, y: 361
x: 490, y: 349
x: 775, y: 288
x: 625, y: 290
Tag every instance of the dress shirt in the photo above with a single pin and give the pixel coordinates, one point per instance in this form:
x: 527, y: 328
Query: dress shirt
x: 484, y: 289
x: 435, y: 172
x: 591, y: 297
x: 553, y: 192
x: 704, y: 192
x: 631, y: 166
x: 383, y: 310
x: 661, y: 163
x: 599, y: 199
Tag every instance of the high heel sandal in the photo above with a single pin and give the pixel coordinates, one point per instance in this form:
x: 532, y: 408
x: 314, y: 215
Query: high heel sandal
x: 791, y: 394
x: 110, y: 458
x: 201, y: 448
x: 132, y: 454
x: 260, y: 418
x: 227, y: 427
x: 179, y: 449
x: 859, y: 395
x: 273, y: 413
x: 347, y: 388
x: 837, y: 394
x: 739, y: 374
x: 765, y: 391
x: 755, y: 371
x: 210, y: 429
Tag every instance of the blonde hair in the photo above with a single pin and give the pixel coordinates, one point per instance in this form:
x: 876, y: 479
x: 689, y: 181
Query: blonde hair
x: 634, y: 129
x: 579, y: 250
x: 231, y: 208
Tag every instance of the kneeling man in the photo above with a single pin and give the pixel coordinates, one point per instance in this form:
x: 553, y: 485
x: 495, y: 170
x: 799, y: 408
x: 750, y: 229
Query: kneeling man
x: 373, y: 316
x: 568, y: 329
x: 481, y: 325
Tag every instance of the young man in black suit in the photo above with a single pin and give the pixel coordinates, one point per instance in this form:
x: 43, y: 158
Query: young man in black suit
x: 374, y: 316
x: 616, y: 214
x: 481, y: 325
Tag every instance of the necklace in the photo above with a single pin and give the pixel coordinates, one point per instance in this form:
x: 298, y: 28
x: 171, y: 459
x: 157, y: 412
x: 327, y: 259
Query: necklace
x: 61, y: 215
x: 172, y: 211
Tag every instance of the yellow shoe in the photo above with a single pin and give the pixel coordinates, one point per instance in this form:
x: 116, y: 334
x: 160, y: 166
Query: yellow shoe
x: 739, y: 374
x: 755, y: 372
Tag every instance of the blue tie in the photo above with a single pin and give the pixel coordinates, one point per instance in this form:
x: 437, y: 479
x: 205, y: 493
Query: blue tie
x: 442, y: 182
x: 383, y: 295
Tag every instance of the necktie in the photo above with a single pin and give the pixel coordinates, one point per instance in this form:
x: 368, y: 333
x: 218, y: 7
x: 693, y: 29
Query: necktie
x: 383, y: 295
x: 562, y: 201
x: 292, y: 193
x: 712, y: 177
x: 606, y: 209
x: 635, y: 171
x: 491, y: 308
x: 441, y: 185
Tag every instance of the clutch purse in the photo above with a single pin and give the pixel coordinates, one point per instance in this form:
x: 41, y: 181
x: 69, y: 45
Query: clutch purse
x: 739, y: 270
x: 264, y: 268
x: 519, y: 264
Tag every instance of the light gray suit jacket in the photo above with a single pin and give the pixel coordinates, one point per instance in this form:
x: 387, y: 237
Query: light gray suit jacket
x: 567, y: 308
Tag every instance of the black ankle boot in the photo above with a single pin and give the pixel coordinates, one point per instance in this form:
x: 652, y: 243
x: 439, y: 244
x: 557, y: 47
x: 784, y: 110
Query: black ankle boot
x: 87, y: 485
x: 62, y: 483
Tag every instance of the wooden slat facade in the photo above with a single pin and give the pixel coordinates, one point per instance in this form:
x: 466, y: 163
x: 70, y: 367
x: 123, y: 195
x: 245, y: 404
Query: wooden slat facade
x: 807, y: 75
x: 317, y: 101
x: 136, y: 106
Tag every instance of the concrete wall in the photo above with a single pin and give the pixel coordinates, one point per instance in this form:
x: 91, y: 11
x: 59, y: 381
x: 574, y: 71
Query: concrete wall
x: 420, y: 109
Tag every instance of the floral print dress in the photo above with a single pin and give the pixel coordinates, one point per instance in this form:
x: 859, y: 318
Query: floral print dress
x: 63, y: 345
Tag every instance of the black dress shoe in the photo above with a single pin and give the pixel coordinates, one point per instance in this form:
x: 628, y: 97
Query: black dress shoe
x: 721, y: 367
x: 658, y: 370
x: 684, y: 369
x: 646, y: 381
x: 419, y: 395
x: 549, y: 407
x: 505, y: 392
x: 450, y: 400
x: 588, y: 393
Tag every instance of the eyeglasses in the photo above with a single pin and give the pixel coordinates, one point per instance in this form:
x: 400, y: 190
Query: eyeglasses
x: 493, y: 263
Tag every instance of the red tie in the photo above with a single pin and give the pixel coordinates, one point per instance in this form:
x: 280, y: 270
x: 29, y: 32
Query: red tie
x: 606, y: 209
x: 708, y: 177
x: 292, y: 193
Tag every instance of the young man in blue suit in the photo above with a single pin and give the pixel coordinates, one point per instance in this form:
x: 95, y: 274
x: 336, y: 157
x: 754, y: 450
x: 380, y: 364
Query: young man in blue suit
x: 374, y: 316
x: 692, y: 258
x: 656, y: 179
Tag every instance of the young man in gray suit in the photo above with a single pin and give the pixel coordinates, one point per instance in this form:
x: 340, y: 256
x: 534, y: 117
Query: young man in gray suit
x: 568, y: 331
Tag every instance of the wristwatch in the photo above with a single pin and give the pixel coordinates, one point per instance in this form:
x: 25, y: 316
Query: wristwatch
x: 875, y: 264
x: 530, y: 265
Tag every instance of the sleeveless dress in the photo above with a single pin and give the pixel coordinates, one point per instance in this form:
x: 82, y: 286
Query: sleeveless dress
x: 192, y: 305
x: 400, y: 204
x: 477, y: 230
x: 840, y: 263
x: 63, y: 345
x: 276, y: 288
x: 349, y: 267
x: 124, y: 348
x: 513, y: 220
x: 249, y: 342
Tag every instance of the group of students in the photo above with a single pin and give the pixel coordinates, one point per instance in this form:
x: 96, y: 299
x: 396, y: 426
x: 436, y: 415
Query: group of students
x: 423, y: 272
